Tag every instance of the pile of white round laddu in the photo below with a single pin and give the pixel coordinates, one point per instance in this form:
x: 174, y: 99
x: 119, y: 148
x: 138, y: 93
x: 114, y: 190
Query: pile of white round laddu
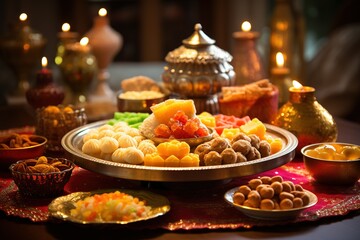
x: 117, y: 143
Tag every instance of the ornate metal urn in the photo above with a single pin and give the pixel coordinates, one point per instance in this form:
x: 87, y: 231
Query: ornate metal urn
x: 197, y: 70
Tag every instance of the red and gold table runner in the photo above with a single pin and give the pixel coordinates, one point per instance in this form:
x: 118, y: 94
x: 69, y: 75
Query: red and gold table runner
x: 193, y: 205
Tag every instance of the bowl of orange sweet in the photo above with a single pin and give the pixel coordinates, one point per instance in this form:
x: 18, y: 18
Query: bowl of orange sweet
x: 332, y: 162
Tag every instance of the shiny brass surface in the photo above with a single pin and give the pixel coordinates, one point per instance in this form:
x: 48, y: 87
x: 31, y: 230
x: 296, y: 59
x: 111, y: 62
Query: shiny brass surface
x: 336, y: 172
x: 72, y: 143
x: 306, y: 119
x: 61, y: 207
x: 78, y: 70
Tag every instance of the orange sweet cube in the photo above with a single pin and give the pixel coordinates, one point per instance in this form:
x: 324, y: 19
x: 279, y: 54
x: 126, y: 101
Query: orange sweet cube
x: 172, y: 161
x: 174, y: 147
x: 230, y: 133
x: 255, y: 126
x: 207, y: 119
x: 190, y: 160
x: 154, y: 160
x: 165, y: 110
x: 276, y: 144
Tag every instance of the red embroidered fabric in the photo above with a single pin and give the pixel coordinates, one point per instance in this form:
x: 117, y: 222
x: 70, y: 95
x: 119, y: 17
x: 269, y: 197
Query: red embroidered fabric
x: 193, y: 205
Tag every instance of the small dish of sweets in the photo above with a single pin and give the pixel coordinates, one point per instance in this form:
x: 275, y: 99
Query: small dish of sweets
x: 14, y: 147
x: 138, y: 94
x: 41, y: 177
x: 270, y: 198
x: 109, y: 206
x: 333, y: 162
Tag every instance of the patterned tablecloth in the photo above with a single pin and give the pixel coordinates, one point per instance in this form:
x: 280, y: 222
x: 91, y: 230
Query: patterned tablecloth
x: 193, y: 205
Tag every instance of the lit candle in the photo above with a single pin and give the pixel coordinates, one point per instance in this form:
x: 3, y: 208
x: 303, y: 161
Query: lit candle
x: 44, y: 92
x: 24, y: 25
x: 280, y: 77
x: 23, y: 17
x: 105, y: 43
x: 102, y: 18
x: 280, y: 63
x: 84, y: 42
x: 44, y: 75
x: 79, y: 47
x: 44, y: 63
x: 298, y: 87
x: 65, y: 37
x: 246, y: 32
x: 66, y: 34
x: 65, y: 27
x: 102, y: 12
x: 247, y: 62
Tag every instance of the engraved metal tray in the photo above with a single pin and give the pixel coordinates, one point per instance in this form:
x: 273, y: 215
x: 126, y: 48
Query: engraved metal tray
x: 61, y: 207
x: 72, y: 143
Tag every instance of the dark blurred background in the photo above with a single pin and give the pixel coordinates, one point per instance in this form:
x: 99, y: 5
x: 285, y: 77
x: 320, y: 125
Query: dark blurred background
x: 152, y: 28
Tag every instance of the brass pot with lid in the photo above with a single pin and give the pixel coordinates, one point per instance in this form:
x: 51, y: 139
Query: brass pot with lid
x: 198, y: 70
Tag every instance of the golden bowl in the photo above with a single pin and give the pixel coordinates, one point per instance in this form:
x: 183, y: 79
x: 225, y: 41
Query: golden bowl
x: 42, y: 184
x: 336, y: 172
x: 138, y: 105
x: 11, y: 155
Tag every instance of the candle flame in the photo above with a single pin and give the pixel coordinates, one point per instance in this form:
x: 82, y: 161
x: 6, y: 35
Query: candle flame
x: 246, y: 26
x: 102, y: 12
x: 65, y: 27
x: 279, y: 59
x: 84, y: 41
x: 23, y: 17
x: 296, y: 84
x: 44, y: 62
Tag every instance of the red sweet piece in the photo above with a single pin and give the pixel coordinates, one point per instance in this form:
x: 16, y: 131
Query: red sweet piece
x: 180, y: 126
x: 181, y: 117
x: 201, y: 132
x: 163, y: 131
x: 178, y: 131
x: 224, y: 121
x: 191, y: 126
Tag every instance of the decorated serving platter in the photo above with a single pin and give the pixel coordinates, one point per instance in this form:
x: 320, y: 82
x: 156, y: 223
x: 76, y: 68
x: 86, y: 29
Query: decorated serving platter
x: 72, y: 143
x: 62, y: 207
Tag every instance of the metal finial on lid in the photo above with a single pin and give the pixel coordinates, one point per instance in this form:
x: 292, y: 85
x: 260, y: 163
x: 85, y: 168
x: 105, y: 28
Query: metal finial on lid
x: 198, y: 37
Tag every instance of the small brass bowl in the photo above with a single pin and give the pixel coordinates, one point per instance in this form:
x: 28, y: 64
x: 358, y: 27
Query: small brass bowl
x: 336, y: 172
x: 137, y: 105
